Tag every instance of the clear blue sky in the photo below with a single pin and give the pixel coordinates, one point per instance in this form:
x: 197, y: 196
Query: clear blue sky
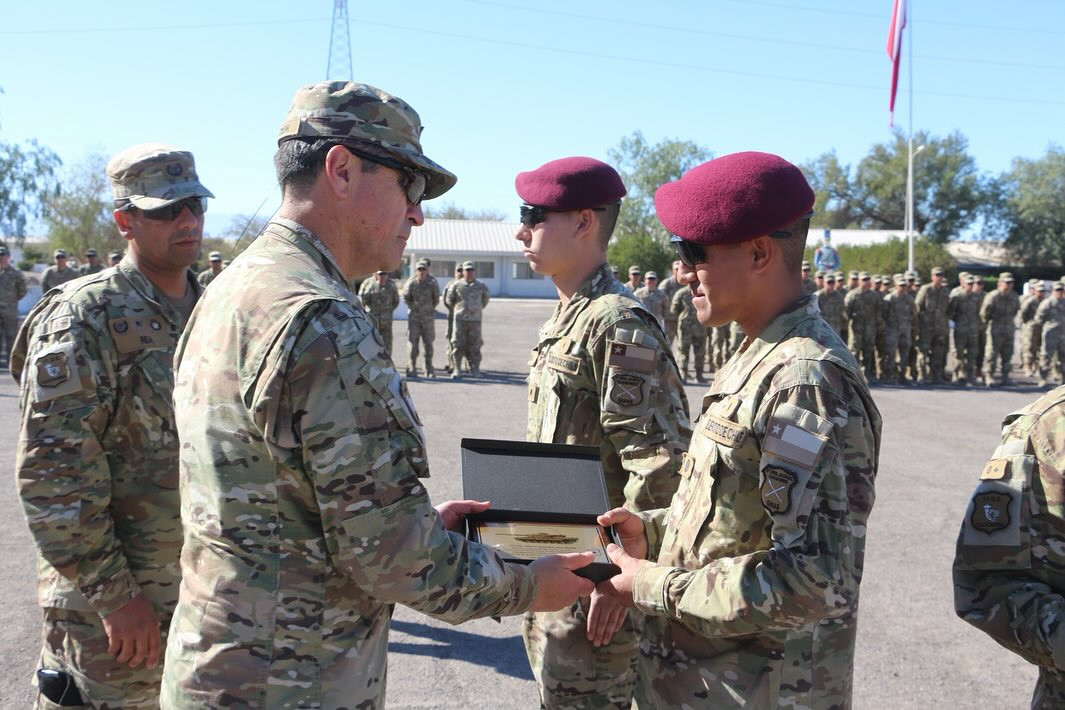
x: 503, y: 86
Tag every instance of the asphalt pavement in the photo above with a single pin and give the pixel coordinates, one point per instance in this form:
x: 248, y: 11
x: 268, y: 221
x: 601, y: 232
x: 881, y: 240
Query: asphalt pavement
x: 912, y: 650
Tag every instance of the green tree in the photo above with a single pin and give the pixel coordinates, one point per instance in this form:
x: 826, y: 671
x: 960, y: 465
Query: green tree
x: 948, y: 190
x: 450, y: 211
x: 641, y: 249
x: 27, y: 179
x: 1028, y: 209
x: 78, y: 216
x: 891, y: 257
x: 644, y: 168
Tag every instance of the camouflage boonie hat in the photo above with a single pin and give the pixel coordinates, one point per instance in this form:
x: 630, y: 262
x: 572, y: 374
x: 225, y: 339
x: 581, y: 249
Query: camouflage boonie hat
x: 153, y: 175
x: 214, y: 256
x: 348, y: 109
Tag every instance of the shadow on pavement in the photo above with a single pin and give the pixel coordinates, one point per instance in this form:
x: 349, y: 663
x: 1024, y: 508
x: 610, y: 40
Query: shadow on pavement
x: 505, y: 655
x: 487, y: 377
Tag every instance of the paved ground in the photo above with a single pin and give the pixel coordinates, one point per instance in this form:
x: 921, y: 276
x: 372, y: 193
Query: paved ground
x: 912, y: 651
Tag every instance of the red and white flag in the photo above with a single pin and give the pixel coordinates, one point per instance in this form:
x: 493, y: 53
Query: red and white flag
x: 894, y: 48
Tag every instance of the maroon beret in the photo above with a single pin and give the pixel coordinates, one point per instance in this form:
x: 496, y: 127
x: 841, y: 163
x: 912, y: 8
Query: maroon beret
x: 734, y: 198
x: 570, y: 184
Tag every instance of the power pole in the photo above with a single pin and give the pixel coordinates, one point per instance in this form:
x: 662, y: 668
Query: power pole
x: 339, y: 44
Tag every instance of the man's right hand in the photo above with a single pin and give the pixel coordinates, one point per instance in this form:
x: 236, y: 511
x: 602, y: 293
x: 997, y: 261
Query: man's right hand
x: 557, y: 586
x: 133, y: 633
x: 629, y: 528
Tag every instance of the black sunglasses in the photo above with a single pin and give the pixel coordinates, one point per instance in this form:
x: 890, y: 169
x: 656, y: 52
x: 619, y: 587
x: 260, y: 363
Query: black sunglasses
x: 415, y: 183
x: 196, y: 205
x: 532, y: 215
x: 689, y: 253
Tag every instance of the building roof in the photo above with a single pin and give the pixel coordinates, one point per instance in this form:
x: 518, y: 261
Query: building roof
x: 480, y: 236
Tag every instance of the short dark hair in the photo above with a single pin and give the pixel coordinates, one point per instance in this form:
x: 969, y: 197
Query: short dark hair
x: 794, y: 246
x: 608, y: 219
x: 298, y: 162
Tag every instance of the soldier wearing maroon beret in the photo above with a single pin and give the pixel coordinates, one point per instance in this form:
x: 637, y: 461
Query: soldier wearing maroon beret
x: 602, y: 375
x: 749, y: 578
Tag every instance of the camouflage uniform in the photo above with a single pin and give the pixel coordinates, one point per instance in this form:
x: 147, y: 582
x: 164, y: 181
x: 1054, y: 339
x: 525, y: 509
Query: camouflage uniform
x: 97, y: 469
x: 692, y: 334
x: 862, y: 308
x: 932, y: 331
x: 656, y: 302
x: 54, y: 277
x: 755, y: 592
x: 670, y: 287
x: 901, y: 314
x: 468, y: 299
x: 1008, y: 568
x: 1050, y: 319
x: 12, y: 289
x: 997, y: 313
x: 738, y: 336
x: 831, y: 305
x: 304, y: 515
x: 206, y: 276
x: 720, y: 345
x: 1031, y: 332
x: 602, y: 375
x: 421, y: 298
x: 450, y: 322
x: 964, y: 309
x: 380, y: 301
x: 89, y: 269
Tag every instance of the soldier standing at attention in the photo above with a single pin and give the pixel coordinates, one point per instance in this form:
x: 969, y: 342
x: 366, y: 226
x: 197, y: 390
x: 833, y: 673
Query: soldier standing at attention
x: 1050, y: 319
x: 862, y: 309
x: 964, y: 309
x: 97, y: 459
x: 670, y: 287
x: 468, y: 298
x: 932, y: 327
x: 633, y: 284
x: 380, y: 298
x: 1009, y: 565
x: 115, y: 257
x: 653, y: 298
x: 601, y: 375
x: 451, y: 315
x: 720, y: 345
x: 900, y: 312
x: 808, y: 284
x: 997, y: 314
x: 749, y: 580
x: 59, y: 273
x: 304, y: 512
x: 93, y: 265
x: 691, y: 335
x: 12, y: 289
x: 214, y: 268
x: 1031, y: 333
x: 421, y: 294
x: 830, y: 301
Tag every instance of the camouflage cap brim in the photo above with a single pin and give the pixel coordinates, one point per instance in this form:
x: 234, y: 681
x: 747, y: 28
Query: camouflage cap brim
x: 179, y: 192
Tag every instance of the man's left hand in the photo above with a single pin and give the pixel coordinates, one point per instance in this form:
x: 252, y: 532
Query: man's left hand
x: 453, y: 512
x: 619, y: 587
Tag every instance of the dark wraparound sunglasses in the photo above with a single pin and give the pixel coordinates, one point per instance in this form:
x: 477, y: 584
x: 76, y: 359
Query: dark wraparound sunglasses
x: 531, y: 215
x: 415, y: 183
x: 691, y: 253
x: 196, y: 205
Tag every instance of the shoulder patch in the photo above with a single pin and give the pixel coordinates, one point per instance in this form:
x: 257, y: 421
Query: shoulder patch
x: 995, y: 470
x: 627, y: 389
x: 628, y: 356
x: 55, y: 373
x: 776, y: 489
x: 787, y: 439
x: 991, y: 511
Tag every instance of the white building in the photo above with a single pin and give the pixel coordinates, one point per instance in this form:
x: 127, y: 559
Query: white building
x: 489, y: 244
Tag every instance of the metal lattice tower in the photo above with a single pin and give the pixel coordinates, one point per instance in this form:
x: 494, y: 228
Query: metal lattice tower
x: 339, y: 44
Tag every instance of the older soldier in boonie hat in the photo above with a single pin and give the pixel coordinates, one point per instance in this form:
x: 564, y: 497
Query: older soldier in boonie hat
x: 571, y: 207
x: 740, y: 223
x: 376, y: 125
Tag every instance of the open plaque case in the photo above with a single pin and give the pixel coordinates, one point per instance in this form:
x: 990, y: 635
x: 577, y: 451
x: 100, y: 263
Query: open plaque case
x: 545, y: 500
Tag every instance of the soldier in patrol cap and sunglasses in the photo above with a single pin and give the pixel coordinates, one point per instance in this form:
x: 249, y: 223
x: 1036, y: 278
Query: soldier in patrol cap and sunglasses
x: 601, y: 375
x: 749, y: 579
x: 97, y: 459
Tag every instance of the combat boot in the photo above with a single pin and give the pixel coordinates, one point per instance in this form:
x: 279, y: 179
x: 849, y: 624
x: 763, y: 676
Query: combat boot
x: 429, y: 369
x: 699, y: 376
x: 412, y: 371
x: 475, y: 370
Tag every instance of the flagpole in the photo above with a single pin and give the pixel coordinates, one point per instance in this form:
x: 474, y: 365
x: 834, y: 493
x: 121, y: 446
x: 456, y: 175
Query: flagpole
x: 909, y: 162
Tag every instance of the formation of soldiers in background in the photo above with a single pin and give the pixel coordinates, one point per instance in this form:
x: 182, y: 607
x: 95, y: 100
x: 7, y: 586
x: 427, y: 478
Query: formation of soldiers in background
x: 898, y: 328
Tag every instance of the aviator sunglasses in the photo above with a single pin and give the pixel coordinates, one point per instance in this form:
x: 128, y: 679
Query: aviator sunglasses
x: 532, y: 215
x: 691, y: 253
x: 196, y: 205
x: 415, y: 183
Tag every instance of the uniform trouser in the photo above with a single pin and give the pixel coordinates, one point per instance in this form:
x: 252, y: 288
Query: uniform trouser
x: 966, y: 355
x: 385, y: 327
x: 692, y: 341
x: 903, y: 346
x: 572, y: 673
x: 1031, y: 342
x: 720, y: 345
x: 999, y: 351
x: 75, y: 642
x: 466, y: 343
x: 447, y: 339
x: 932, y: 354
x: 8, y: 330
x: 671, y: 329
x: 420, y: 331
x: 1053, y: 347
x: 1049, y: 689
x: 882, y: 352
x: 862, y: 345
x: 888, y: 350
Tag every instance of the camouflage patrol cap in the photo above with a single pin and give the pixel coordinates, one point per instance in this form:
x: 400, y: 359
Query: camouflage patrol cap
x: 635, y: 269
x: 1006, y: 276
x: 911, y: 275
x: 1042, y: 285
x: 214, y: 256
x: 839, y: 275
x: 651, y: 275
x: 153, y: 175
x: 820, y: 274
x: 115, y: 255
x: 970, y: 279
x: 379, y: 272
x: 468, y: 265
x: 59, y: 253
x: 805, y: 266
x: 864, y: 276
x: 899, y: 279
x: 424, y: 264
x: 830, y: 278
x: 1058, y: 286
x: 90, y: 252
x: 360, y: 112
x: 852, y: 275
x: 937, y: 271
